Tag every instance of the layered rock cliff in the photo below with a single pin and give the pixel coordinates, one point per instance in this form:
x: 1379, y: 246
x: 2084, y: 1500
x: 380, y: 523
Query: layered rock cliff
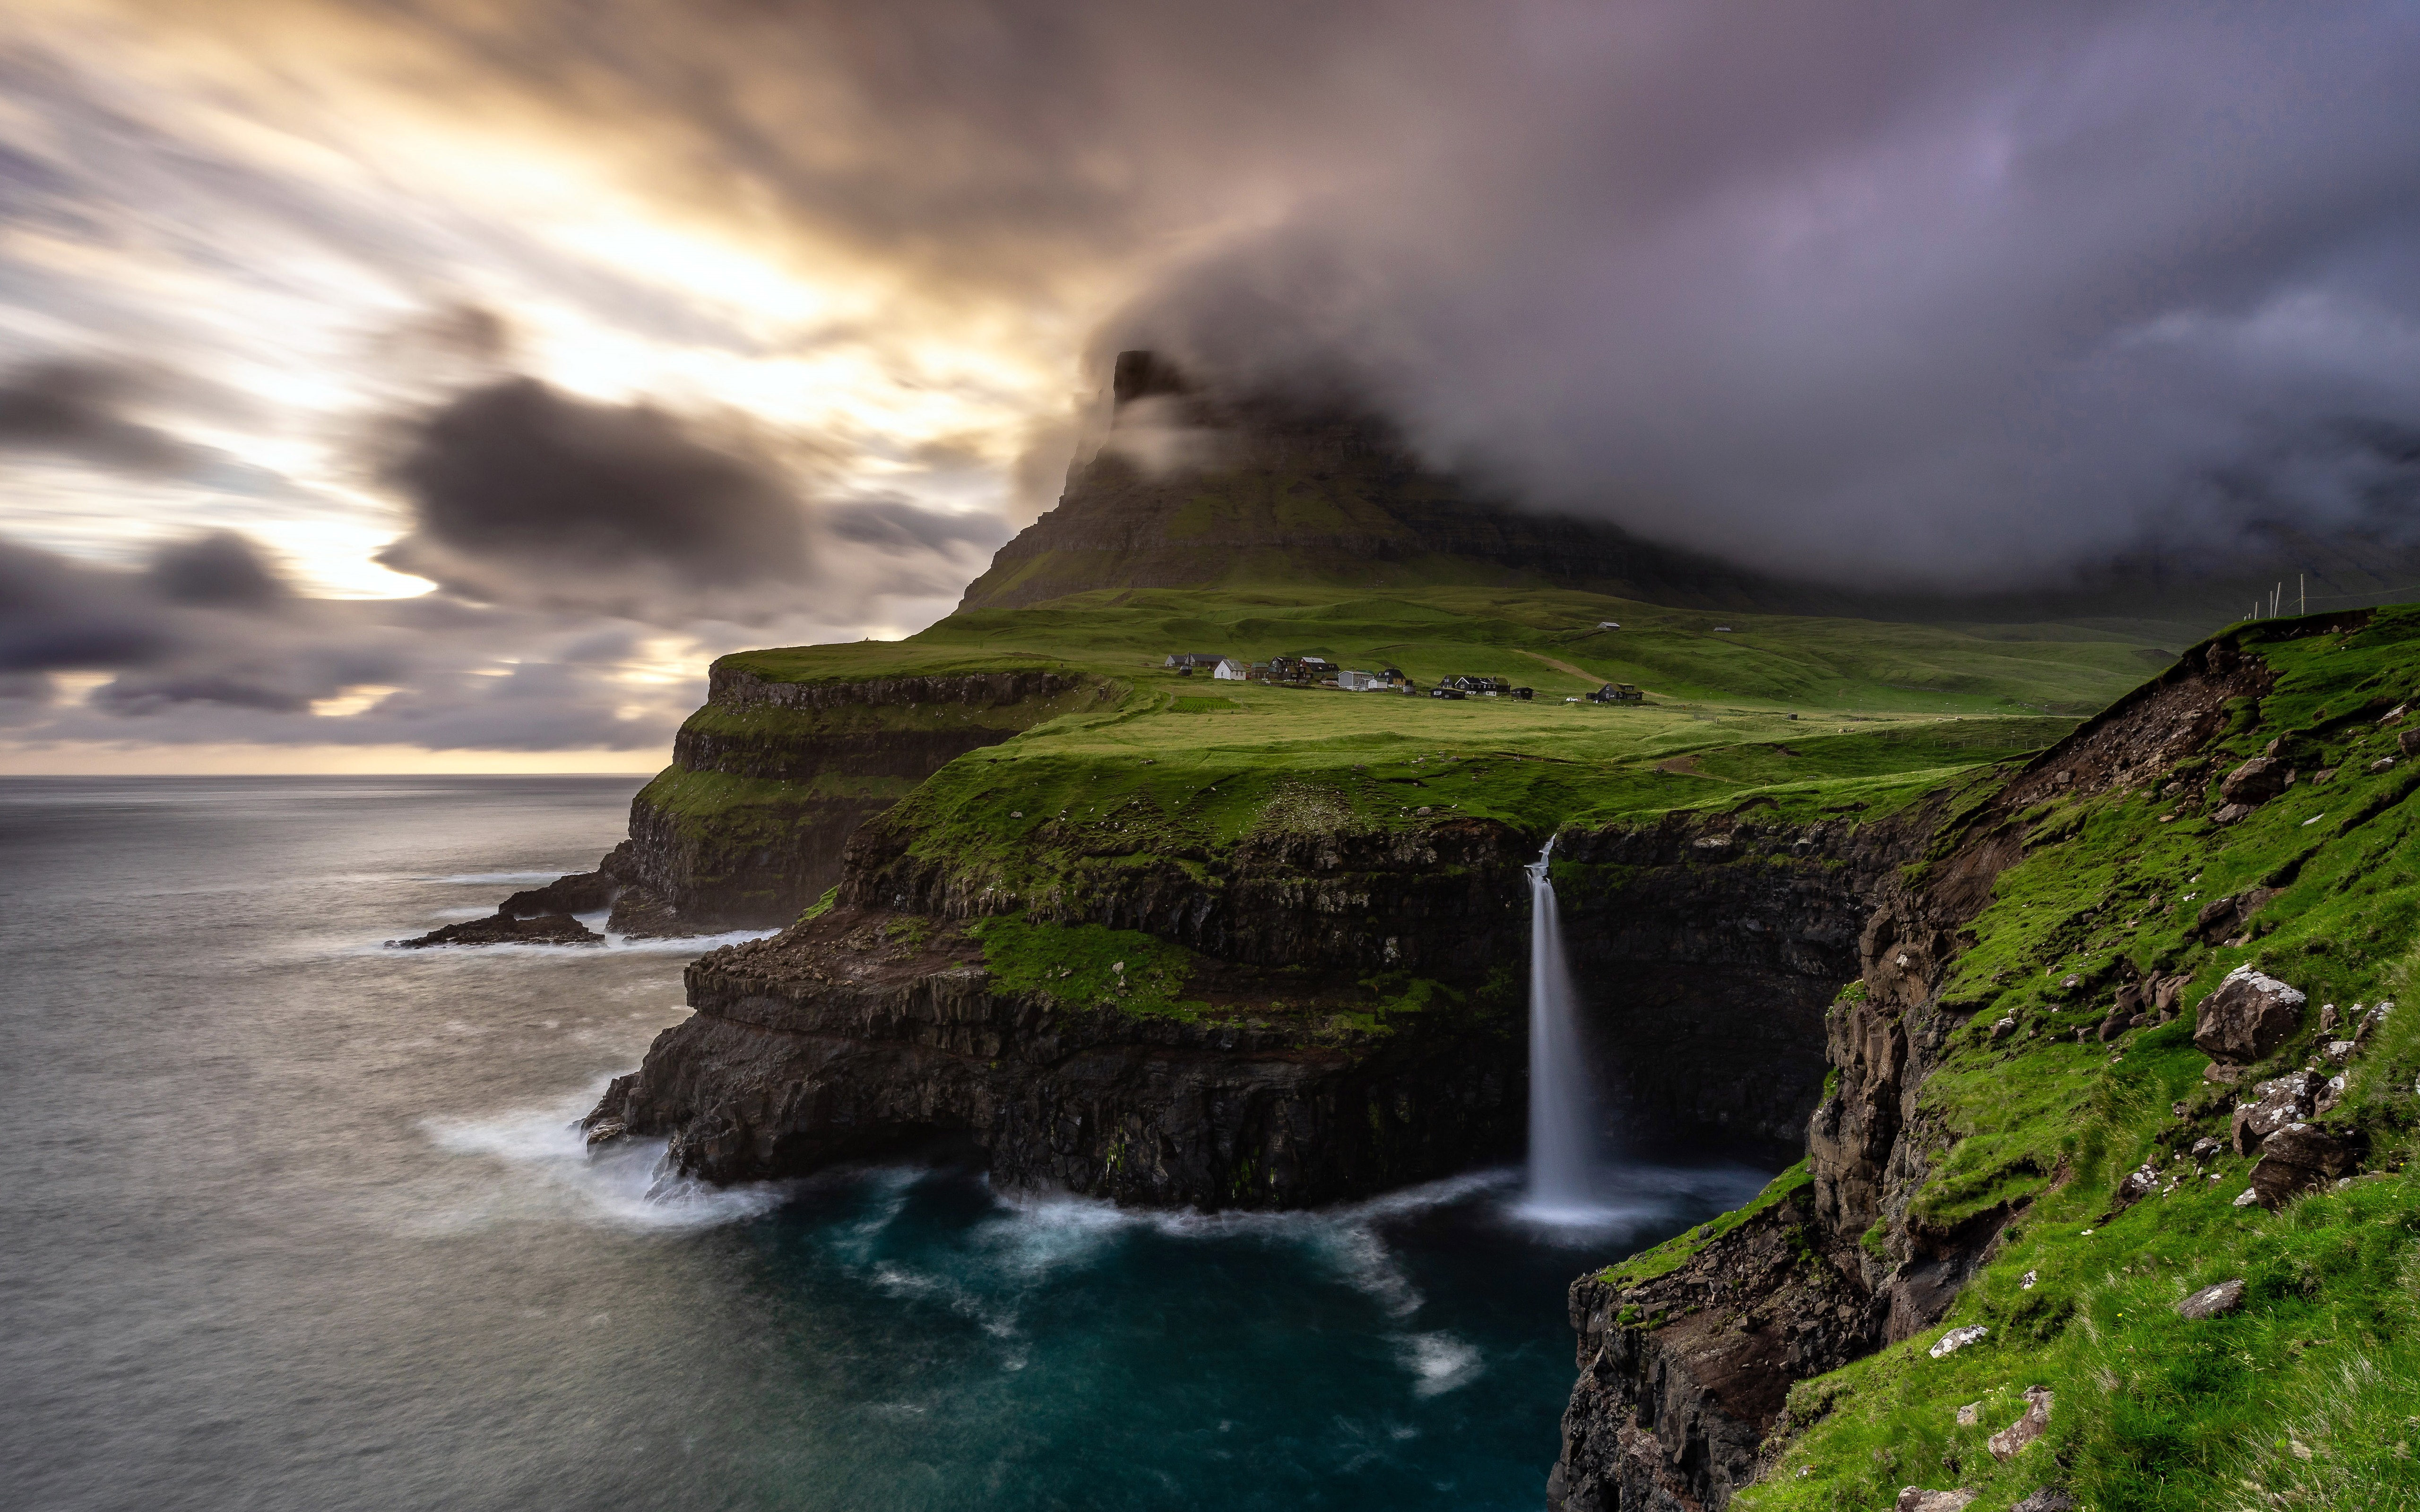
x: 770, y: 778
x: 1340, y: 1009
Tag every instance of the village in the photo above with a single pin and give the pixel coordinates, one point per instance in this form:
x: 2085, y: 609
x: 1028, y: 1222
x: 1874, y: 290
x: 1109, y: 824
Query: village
x: 1318, y: 671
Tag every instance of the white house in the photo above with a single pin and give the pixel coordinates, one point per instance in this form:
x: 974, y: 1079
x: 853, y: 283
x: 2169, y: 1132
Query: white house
x: 1230, y: 669
x: 1354, y: 682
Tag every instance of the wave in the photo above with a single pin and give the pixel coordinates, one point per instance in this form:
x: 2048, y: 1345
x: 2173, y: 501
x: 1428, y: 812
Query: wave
x: 624, y: 1185
x: 1439, y: 1362
x: 686, y: 944
x: 494, y: 879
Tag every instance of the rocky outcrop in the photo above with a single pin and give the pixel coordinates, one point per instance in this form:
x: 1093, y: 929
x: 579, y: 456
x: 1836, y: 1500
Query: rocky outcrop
x: 865, y: 1032
x: 1683, y: 1377
x: 506, y: 928
x: 2247, y: 1017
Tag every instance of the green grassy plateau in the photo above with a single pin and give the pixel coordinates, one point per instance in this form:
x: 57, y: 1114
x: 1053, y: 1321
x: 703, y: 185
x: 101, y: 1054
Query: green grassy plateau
x: 1807, y: 714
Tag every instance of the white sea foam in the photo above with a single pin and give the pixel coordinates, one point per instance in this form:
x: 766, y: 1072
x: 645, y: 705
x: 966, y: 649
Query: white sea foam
x: 495, y: 879
x: 685, y: 944
x: 623, y: 1185
x: 688, y: 945
x: 1439, y: 1362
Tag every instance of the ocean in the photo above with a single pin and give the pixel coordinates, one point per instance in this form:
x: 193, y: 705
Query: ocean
x: 296, y: 1221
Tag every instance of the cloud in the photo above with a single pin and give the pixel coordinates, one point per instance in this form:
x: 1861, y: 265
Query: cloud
x: 898, y: 524
x: 1879, y: 289
x: 218, y: 567
x: 77, y: 408
x: 523, y: 494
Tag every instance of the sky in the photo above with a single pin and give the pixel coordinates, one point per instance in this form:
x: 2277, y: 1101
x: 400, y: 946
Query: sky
x: 440, y: 384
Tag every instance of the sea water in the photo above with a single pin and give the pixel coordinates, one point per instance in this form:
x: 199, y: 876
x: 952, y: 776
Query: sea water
x: 298, y: 1222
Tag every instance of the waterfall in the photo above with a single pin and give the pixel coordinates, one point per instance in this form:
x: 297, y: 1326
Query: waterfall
x: 1563, y: 1105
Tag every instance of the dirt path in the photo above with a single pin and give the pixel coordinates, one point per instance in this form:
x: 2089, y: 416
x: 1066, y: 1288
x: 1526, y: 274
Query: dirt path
x: 1560, y: 666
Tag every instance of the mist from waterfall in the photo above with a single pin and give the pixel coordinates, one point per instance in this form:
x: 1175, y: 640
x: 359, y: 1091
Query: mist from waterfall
x: 1562, y: 1182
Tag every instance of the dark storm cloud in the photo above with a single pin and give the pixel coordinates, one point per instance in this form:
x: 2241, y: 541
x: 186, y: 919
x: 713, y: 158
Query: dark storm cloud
x: 1870, y: 288
x: 219, y: 567
x: 78, y: 410
x: 525, y: 494
x: 57, y: 616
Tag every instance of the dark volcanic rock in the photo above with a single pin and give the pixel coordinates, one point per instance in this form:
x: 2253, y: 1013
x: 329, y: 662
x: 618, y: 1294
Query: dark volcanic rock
x: 584, y: 892
x: 2247, y: 1017
x: 2257, y: 781
x: 835, y: 1040
x: 2287, y: 1099
x: 2302, y: 1157
x: 1683, y: 1377
x: 503, y: 929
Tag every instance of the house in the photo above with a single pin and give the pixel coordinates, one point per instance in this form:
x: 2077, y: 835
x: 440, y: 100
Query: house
x: 1185, y: 661
x: 1523, y: 694
x: 1618, y: 693
x: 1608, y: 625
x: 1231, y: 671
x: 1442, y: 691
x: 1478, y: 684
x: 1358, y: 682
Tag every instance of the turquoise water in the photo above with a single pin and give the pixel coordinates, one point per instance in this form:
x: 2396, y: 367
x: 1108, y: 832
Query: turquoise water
x: 299, y: 1222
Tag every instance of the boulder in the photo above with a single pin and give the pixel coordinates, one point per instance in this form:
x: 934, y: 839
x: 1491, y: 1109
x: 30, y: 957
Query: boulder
x: 2231, y: 812
x: 2287, y: 1099
x: 584, y: 892
x: 503, y: 929
x: 2219, y: 918
x: 2247, y: 1017
x: 1957, y: 1339
x: 2211, y: 1301
x: 2385, y: 764
x: 1970, y: 1414
x: 2049, y: 1499
x: 2167, y: 990
x: 2370, y: 1022
x: 1916, y: 1499
x: 2140, y: 1183
x: 2011, y: 1440
x: 2256, y: 782
x: 2302, y: 1157
x: 2409, y: 743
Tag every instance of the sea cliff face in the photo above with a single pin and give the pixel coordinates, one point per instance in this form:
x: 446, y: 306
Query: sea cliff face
x: 865, y: 1032
x: 1340, y: 1011
x: 769, y: 780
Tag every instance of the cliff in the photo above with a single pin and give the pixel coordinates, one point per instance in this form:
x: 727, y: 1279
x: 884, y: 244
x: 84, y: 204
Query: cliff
x: 772, y: 776
x: 2022, y: 1035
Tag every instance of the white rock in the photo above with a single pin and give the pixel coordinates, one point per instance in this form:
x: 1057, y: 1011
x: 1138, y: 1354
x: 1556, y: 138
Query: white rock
x: 2247, y: 1198
x: 1957, y: 1339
